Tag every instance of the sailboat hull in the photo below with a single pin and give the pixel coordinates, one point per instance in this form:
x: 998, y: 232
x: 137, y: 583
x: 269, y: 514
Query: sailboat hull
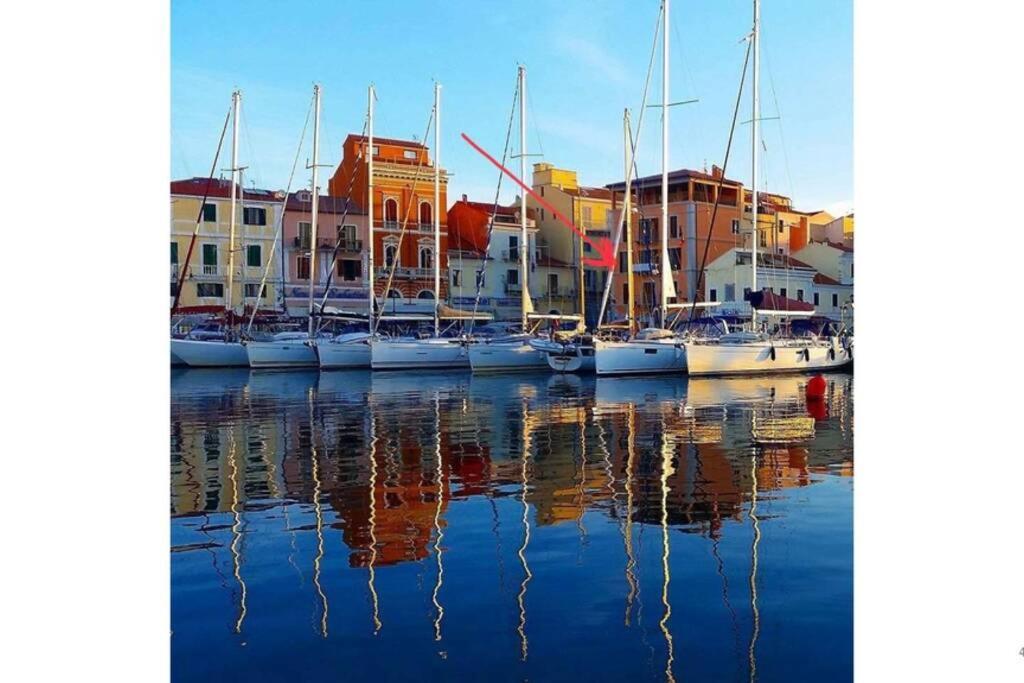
x: 756, y: 357
x: 517, y: 356
x: 282, y: 354
x: 637, y: 357
x: 196, y: 353
x: 348, y: 354
x: 415, y: 354
x: 567, y: 357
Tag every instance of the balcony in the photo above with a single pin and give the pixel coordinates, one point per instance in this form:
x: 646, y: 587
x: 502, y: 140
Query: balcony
x: 403, y: 273
x: 510, y: 255
x: 513, y: 288
x: 561, y: 292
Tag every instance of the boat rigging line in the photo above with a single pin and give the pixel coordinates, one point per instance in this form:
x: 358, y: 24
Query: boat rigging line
x: 280, y: 224
x: 725, y: 166
x: 199, y: 217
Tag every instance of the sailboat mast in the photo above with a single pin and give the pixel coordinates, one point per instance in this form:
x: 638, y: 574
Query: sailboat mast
x: 316, y: 202
x: 627, y: 207
x: 524, y: 244
x: 370, y: 95
x: 754, y: 128
x: 236, y: 105
x: 666, y: 272
x: 437, y: 209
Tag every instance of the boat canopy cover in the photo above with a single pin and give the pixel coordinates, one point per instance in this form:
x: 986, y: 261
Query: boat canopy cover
x: 767, y: 300
x: 654, y: 333
x: 448, y: 313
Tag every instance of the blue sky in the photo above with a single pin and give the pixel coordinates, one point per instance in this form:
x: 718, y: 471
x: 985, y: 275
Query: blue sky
x: 585, y: 62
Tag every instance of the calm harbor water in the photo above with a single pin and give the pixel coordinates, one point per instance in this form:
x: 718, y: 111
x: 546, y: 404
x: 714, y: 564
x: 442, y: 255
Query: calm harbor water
x: 362, y: 526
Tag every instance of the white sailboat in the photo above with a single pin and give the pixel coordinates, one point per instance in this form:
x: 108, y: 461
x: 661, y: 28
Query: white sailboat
x: 651, y: 350
x: 514, y: 352
x: 406, y: 353
x: 754, y: 350
x: 352, y: 350
x: 226, y: 351
x: 291, y: 349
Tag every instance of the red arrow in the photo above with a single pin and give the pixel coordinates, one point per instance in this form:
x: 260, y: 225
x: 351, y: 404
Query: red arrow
x: 603, y: 245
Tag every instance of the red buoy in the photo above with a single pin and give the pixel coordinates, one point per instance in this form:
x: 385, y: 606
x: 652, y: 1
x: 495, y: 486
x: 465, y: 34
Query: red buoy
x: 816, y: 388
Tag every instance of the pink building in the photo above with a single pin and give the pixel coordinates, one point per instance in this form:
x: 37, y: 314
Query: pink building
x: 336, y: 224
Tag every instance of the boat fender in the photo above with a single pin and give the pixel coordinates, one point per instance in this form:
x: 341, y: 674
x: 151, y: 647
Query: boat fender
x: 771, y: 352
x: 831, y: 353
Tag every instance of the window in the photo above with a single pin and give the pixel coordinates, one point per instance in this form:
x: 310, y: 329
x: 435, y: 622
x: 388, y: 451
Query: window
x: 835, y: 301
x: 425, y: 294
x: 512, y: 276
x: 799, y: 295
x: 174, y: 253
x: 350, y: 269
x: 513, y: 245
x: 622, y: 262
x: 782, y: 292
x: 390, y: 212
x: 302, y: 267
x: 713, y: 295
x: 174, y: 288
x: 588, y: 216
x: 816, y: 301
x: 210, y: 213
x: 254, y: 256
x: 305, y: 234
x: 409, y: 154
x: 347, y: 235
x: 252, y: 290
x: 730, y: 292
x: 390, y: 254
x: 542, y: 214
x: 782, y: 226
x: 541, y: 190
x: 781, y: 250
x: 209, y: 259
x: 675, y: 257
x: 426, y: 215
x: 746, y: 293
x: 213, y: 289
x: 649, y: 293
x: 426, y: 257
x: 673, y: 227
x: 376, y: 151
x: 552, y: 283
x: 481, y: 278
x: 625, y: 293
x: 456, y: 278
x: 394, y: 294
x: 735, y: 226
x: 254, y: 216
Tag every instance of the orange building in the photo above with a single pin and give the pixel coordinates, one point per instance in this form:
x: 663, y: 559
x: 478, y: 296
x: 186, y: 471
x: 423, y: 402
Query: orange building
x: 691, y: 199
x: 403, y: 194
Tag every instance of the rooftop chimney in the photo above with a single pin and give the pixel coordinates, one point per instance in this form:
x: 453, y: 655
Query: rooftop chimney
x: 716, y: 171
x: 465, y: 198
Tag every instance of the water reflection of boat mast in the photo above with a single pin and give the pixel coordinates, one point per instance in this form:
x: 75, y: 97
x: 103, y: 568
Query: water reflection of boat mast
x: 527, y: 575
x: 236, y: 535
x: 666, y: 471
x: 756, y: 630
x: 371, y: 578
x: 439, y: 534
x: 634, y: 587
x: 315, y: 461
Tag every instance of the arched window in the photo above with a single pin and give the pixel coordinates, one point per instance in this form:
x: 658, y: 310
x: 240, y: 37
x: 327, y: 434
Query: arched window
x: 390, y: 252
x: 554, y: 311
x: 390, y: 213
x: 425, y: 294
x: 426, y: 215
x: 394, y: 294
x: 426, y: 256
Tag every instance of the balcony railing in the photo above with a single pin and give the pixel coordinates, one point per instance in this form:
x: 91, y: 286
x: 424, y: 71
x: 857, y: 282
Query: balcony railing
x: 510, y: 255
x: 403, y: 273
x: 561, y: 292
x: 513, y: 288
x: 217, y: 272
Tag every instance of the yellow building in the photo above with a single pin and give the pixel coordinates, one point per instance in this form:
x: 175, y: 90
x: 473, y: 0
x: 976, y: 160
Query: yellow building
x: 205, y: 283
x: 588, y: 208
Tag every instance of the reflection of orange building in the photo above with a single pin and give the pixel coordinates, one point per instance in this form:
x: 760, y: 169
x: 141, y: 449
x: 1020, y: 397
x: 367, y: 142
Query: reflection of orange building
x: 403, y: 194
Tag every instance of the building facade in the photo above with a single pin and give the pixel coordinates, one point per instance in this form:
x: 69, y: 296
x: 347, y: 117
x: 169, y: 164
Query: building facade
x: 258, y: 213
x: 338, y: 226
x: 551, y: 282
x: 403, y: 196
x: 691, y: 199
x: 589, y: 209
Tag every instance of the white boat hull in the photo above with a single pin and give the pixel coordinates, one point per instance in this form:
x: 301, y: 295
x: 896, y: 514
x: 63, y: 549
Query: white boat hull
x: 347, y: 354
x: 756, y: 357
x: 572, y: 360
x: 413, y: 354
x: 209, y: 354
x: 505, y: 357
x: 636, y: 357
x: 280, y: 354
